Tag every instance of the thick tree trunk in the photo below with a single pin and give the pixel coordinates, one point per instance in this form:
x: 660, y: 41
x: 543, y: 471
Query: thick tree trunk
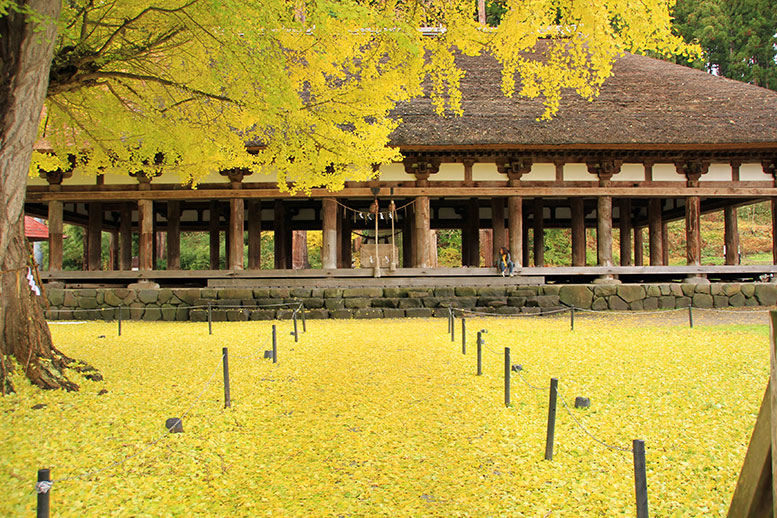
x: 25, y: 57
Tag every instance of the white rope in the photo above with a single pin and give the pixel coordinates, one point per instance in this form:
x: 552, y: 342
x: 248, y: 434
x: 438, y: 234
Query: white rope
x: 43, y: 486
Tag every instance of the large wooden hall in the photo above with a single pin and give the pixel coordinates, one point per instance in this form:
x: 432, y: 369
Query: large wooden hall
x: 660, y: 143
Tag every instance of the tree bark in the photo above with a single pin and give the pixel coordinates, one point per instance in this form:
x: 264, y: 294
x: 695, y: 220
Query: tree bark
x: 25, y: 58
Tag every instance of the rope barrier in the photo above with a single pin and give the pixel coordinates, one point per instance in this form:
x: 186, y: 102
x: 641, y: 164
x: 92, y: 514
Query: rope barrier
x: 585, y: 430
x: 465, y: 312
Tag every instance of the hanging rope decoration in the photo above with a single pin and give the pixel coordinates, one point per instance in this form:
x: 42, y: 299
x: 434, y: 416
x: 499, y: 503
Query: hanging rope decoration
x: 369, y: 214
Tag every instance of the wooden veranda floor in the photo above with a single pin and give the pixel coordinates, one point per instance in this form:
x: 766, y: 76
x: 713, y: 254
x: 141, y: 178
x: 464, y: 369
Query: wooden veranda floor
x: 404, y: 276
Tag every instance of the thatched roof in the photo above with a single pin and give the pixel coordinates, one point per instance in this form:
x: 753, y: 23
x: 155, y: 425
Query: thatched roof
x: 648, y: 103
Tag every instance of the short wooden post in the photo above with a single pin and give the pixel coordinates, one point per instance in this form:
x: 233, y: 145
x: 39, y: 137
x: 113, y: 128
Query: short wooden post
x: 227, y: 399
x: 120, y: 306
x: 572, y: 318
x: 463, y: 335
x: 551, y: 419
x: 690, y: 315
x: 42, y: 488
x: 210, y: 320
x: 304, y: 325
x: 640, y: 478
x: 480, y: 354
x: 274, y: 345
x: 507, y: 376
x: 296, y: 333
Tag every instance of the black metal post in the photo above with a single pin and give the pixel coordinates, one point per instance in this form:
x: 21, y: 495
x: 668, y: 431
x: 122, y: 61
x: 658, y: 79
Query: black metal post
x: 296, y: 334
x: 572, y: 318
x: 304, y: 325
x: 480, y: 353
x: 463, y: 335
x: 507, y: 376
x: 690, y: 315
x: 227, y: 399
x: 551, y: 419
x: 640, y: 478
x: 210, y: 320
x: 274, y: 345
x: 453, y: 326
x: 120, y: 306
x: 44, y: 475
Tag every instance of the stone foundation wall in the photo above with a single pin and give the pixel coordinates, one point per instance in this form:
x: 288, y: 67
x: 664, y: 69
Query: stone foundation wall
x: 271, y: 303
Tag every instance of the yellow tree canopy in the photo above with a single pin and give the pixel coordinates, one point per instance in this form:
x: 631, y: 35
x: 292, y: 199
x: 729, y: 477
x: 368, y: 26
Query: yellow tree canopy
x: 185, y: 85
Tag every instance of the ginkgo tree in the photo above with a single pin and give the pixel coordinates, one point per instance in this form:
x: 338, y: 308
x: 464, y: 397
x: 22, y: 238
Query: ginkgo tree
x: 146, y: 86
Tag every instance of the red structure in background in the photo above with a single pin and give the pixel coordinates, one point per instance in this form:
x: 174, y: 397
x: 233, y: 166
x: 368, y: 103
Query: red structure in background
x: 34, y: 230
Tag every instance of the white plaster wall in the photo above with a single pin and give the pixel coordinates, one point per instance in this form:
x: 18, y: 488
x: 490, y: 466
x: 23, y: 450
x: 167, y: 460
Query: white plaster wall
x: 753, y: 173
x: 666, y: 173
x: 717, y: 173
x: 487, y: 172
x: 630, y: 173
x: 448, y: 173
x: 578, y: 173
x: 395, y: 173
x: 540, y: 173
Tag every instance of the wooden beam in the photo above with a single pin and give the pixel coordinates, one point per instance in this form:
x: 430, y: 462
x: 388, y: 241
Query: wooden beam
x: 578, y: 231
x: 539, y: 233
x: 515, y: 222
x: 731, y: 235
x: 94, y: 237
x: 692, y: 230
x: 173, y: 235
x: 422, y: 228
x: 329, y: 238
x: 146, y: 241
x: 655, y: 232
x: 498, y: 225
x: 604, y: 230
x: 214, y: 228
x: 125, y: 237
x: 254, y: 234
x: 236, y: 233
x: 624, y: 225
x: 55, y: 235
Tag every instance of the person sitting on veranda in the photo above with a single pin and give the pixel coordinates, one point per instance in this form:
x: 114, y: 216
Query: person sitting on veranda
x: 504, y: 262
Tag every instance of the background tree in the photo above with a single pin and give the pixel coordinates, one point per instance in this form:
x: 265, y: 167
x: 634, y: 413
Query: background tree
x: 182, y: 85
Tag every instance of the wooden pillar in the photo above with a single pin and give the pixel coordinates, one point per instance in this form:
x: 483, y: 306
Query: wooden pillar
x: 664, y: 243
x: 55, y: 235
x: 486, y: 237
x: 525, y: 256
x: 655, y: 232
x: 125, y: 237
x: 299, y: 250
x: 146, y: 231
x: 254, y: 234
x: 498, y: 226
x: 422, y: 223
x: 515, y: 222
x: 624, y: 225
x: 236, y: 233
x: 214, y: 226
x: 604, y: 230
x: 94, y: 236
x: 470, y: 235
x: 329, y: 237
x: 638, y: 246
x: 578, y: 231
x: 408, y: 241
x: 731, y: 235
x: 539, y: 233
x: 281, y: 236
x: 345, y: 247
x: 774, y: 230
x: 113, y: 259
x: 173, y: 235
x: 692, y: 229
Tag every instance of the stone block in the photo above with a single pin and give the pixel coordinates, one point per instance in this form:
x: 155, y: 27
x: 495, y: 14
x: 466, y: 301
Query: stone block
x: 599, y: 304
x: 731, y: 289
x: 280, y: 293
x: 152, y: 314
x: 548, y: 301
x: 550, y: 290
x: 467, y: 302
x: 419, y: 293
x: 737, y: 300
x: 508, y: 310
x: 56, y: 296
x: 419, y: 313
x: 362, y: 293
x: 444, y: 292
x: 440, y: 312
x: 393, y: 313
x: 653, y: 291
x: 688, y: 289
x: 409, y: 303
x: 124, y: 294
x: 198, y: 315
x: 605, y: 290
x: 70, y: 300
x: 766, y: 294
x: 395, y: 293
x: 531, y: 310
x: 317, y: 293
x: 284, y: 314
x: 181, y: 314
x: 667, y: 302
x: 108, y: 314
x: 341, y: 313
x: 188, y: 296
x: 616, y: 303
x: 333, y: 293
x: 631, y: 292
x: 492, y: 301
x: 313, y: 303
x: 666, y: 289
x: 676, y: 290
x: 523, y: 291
x: 235, y: 293
x: 100, y: 297
x: 219, y: 315
x: 516, y: 301
x: 111, y: 299
x: 720, y: 301
x: 169, y: 313
x: 466, y: 291
x: 492, y: 291
x: 332, y: 304
x: 148, y: 296
x: 703, y: 287
x: 300, y: 293
x: 237, y: 315
x: 164, y: 295
x: 87, y: 303
x: 358, y: 303
x: 261, y: 293
x: 637, y: 305
x: 86, y: 292
x: 650, y: 303
x: 317, y: 314
x: 578, y: 296
x: 431, y: 302
x: 752, y: 301
x: 748, y: 290
x: 262, y: 314
x: 682, y: 302
x: 268, y: 302
x: 209, y: 293
x: 716, y: 289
